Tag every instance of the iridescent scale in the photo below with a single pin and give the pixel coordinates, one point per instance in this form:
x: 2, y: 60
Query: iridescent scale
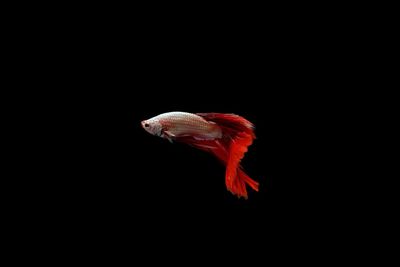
x: 183, y: 123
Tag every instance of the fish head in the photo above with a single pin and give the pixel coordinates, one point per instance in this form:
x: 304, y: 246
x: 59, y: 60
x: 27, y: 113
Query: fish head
x: 152, y: 126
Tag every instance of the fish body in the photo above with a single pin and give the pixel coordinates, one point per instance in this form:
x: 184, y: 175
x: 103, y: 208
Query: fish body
x: 226, y: 136
x: 179, y: 124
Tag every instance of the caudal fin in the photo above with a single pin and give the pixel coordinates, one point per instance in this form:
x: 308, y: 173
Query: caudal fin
x: 235, y: 177
x: 238, y: 135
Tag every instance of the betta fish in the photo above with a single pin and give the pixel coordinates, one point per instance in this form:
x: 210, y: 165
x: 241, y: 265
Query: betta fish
x: 226, y: 136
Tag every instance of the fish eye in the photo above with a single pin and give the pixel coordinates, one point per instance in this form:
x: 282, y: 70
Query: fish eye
x: 146, y: 125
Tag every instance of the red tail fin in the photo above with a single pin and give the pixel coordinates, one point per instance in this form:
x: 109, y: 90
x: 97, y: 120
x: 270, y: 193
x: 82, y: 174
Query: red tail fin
x: 238, y: 134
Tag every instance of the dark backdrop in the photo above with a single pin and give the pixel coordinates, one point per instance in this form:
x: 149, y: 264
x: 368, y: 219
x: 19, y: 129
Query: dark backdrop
x: 129, y: 173
x: 115, y: 179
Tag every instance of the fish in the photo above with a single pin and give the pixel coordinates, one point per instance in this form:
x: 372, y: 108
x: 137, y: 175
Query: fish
x: 227, y: 136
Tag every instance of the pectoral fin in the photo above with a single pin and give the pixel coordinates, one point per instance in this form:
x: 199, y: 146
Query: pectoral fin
x: 168, y: 135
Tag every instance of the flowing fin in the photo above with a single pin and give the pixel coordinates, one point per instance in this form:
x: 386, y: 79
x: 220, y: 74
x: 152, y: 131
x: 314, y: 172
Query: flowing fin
x: 237, y: 135
x: 237, y: 149
x: 168, y: 135
x: 231, y: 123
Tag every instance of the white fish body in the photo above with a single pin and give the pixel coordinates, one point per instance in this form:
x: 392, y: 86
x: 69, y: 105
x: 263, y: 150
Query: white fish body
x: 178, y: 124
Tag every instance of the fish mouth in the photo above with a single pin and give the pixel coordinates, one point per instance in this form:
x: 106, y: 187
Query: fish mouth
x: 145, y: 124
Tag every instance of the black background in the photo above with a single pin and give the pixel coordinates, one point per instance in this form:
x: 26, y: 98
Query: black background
x: 118, y: 175
x: 108, y: 179
x: 129, y: 174
x: 272, y: 80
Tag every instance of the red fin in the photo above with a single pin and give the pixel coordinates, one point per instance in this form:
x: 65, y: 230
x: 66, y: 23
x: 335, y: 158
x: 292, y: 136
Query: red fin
x: 235, y: 176
x: 231, y: 123
x: 238, y: 134
x: 243, y: 176
x: 216, y: 147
